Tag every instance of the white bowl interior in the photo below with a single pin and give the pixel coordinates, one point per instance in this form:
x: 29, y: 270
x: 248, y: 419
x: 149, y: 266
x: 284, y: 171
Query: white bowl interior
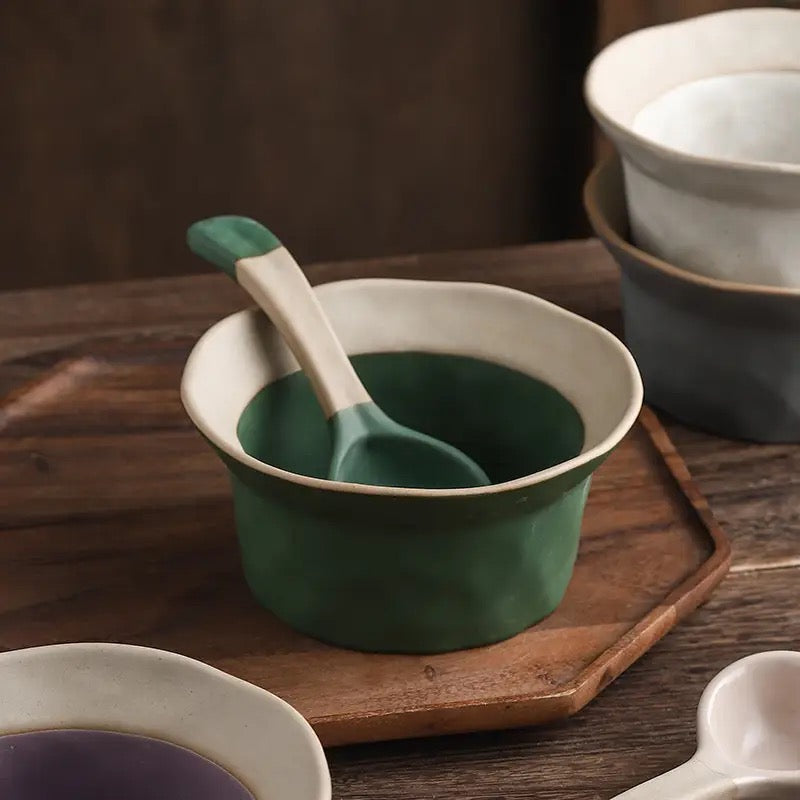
x: 243, y: 353
x: 644, y: 68
x: 255, y: 736
x: 753, y: 712
x: 751, y: 116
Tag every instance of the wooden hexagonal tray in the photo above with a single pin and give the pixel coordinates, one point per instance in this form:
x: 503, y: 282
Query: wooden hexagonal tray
x: 118, y: 526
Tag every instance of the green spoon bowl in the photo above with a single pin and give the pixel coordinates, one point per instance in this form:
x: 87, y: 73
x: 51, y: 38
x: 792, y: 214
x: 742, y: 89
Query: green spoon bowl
x: 534, y: 394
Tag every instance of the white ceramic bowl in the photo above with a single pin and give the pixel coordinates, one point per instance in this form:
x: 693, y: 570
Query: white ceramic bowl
x: 705, y: 114
x: 257, y: 737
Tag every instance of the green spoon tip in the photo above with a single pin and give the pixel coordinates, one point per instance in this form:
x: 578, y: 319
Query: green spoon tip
x: 224, y: 240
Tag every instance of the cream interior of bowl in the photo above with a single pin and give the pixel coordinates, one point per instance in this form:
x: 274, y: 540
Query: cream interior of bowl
x: 751, y: 116
x: 243, y: 353
x: 630, y: 83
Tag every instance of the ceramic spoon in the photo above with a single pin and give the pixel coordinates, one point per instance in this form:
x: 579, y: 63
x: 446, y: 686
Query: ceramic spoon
x: 748, y: 736
x: 368, y: 446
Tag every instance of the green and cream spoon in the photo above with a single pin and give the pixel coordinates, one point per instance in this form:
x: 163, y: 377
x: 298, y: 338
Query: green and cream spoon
x: 368, y: 447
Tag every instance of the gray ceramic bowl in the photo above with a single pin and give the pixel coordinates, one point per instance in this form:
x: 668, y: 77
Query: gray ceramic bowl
x: 720, y: 356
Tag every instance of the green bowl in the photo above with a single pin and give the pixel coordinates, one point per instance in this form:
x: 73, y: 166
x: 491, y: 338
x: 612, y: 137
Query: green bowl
x: 536, y: 395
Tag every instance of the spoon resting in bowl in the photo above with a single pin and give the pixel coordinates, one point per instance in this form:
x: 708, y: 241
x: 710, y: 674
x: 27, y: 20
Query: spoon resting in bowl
x: 368, y: 446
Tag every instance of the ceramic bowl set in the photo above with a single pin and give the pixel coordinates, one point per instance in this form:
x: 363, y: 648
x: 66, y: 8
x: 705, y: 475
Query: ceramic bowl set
x: 703, y: 214
x: 701, y: 211
x: 535, y: 395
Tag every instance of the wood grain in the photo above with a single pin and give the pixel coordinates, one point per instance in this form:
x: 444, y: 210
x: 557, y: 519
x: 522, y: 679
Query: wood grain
x: 642, y: 725
x: 34, y: 322
x: 639, y: 726
x: 751, y: 488
x: 352, y: 128
x: 120, y: 528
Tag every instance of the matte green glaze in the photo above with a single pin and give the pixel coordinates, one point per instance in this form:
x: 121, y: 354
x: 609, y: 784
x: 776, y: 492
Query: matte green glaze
x: 414, y: 574
x: 224, y: 240
x: 384, y: 582
x: 484, y: 409
x: 369, y: 447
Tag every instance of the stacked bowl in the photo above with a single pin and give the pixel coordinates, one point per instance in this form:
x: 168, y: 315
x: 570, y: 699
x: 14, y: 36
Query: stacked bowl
x: 702, y: 213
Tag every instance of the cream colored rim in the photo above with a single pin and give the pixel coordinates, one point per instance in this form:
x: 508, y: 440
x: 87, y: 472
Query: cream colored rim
x: 669, y: 153
x: 157, y: 693
x: 230, y: 444
x: 597, y: 214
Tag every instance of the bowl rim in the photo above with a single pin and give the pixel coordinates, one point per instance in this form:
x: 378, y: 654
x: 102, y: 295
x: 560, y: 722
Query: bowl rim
x: 630, y: 136
x: 605, y: 230
x: 121, y: 657
x: 624, y: 424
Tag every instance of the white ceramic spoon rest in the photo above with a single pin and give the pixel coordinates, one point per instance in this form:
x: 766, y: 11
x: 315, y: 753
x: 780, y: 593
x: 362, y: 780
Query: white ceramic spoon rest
x: 748, y: 737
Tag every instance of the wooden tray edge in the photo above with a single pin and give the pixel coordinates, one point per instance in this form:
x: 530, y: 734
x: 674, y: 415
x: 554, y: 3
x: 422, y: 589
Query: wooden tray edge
x: 596, y: 676
x: 680, y: 602
x: 523, y: 711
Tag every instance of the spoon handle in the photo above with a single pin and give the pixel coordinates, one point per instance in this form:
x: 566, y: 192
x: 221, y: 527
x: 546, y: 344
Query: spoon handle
x: 276, y: 282
x: 690, y: 781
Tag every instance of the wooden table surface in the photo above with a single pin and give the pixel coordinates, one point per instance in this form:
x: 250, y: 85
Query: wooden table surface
x: 642, y: 724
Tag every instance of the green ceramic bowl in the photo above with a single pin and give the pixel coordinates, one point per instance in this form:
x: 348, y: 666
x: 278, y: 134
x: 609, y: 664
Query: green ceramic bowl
x: 536, y: 395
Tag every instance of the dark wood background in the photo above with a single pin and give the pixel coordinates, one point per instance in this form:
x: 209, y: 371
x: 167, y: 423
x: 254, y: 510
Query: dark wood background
x: 353, y: 128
